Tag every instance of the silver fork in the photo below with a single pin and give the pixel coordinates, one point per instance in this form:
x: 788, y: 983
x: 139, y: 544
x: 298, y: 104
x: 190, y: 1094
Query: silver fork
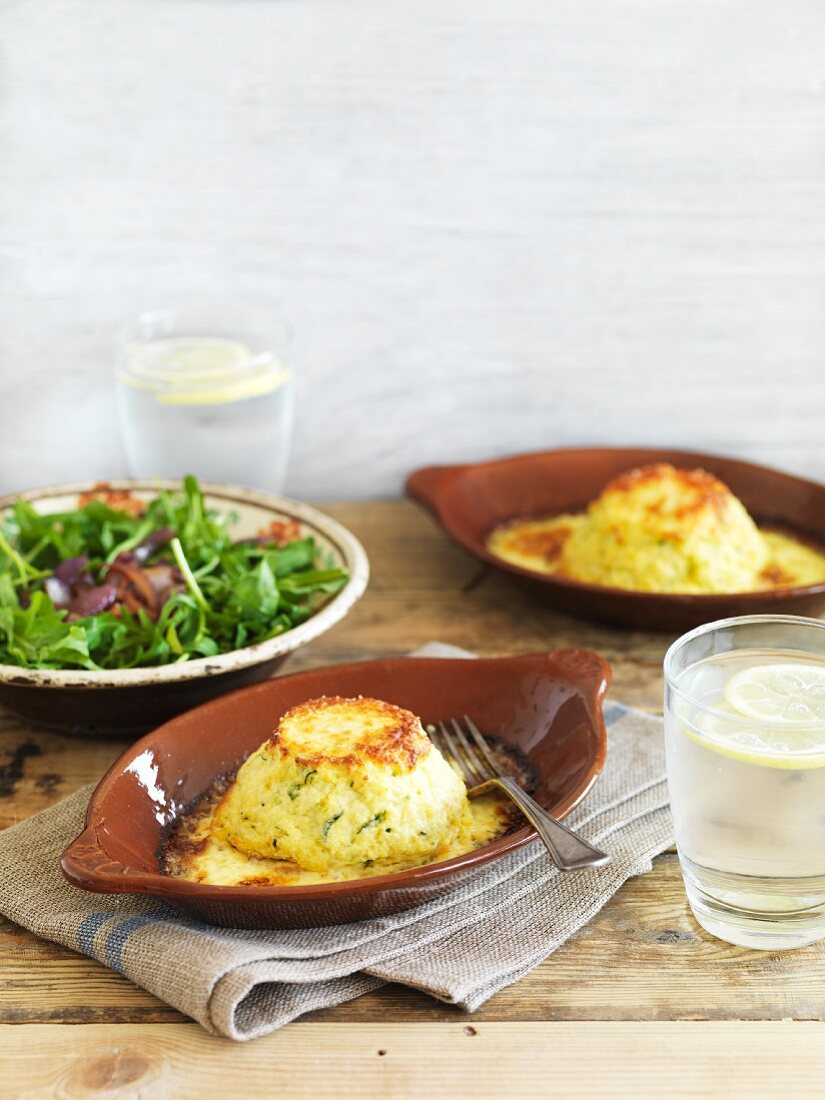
x: 481, y: 771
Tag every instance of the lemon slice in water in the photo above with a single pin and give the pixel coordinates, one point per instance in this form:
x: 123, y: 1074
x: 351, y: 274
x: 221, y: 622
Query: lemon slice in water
x: 785, y: 703
x: 189, y: 370
x: 782, y: 694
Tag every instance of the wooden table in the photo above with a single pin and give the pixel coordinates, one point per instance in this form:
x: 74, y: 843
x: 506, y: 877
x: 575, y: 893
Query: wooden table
x: 640, y: 1003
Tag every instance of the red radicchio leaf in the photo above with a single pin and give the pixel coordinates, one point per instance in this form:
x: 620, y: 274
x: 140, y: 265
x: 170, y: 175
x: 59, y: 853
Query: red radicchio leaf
x: 153, y: 541
x: 70, y: 572
x: 91, y: 601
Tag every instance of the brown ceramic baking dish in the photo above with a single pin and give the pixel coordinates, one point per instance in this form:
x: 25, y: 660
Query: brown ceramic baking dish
x: 469, y: 501
x: 548, y: 705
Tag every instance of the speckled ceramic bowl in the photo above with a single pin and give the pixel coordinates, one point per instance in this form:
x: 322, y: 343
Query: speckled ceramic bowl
x: 134, y: 700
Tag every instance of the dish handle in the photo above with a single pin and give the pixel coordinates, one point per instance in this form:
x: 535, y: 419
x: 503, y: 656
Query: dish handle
x: 588, y: 670
x: 86, y: 863
x: 424, y: 485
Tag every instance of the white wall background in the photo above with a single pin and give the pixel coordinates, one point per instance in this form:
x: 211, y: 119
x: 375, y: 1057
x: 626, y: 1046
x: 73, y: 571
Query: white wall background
x: 495, y: 224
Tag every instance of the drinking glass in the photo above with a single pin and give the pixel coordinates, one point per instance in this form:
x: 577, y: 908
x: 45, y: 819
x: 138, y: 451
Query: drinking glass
x: 745, y: 742
x: 204, y: 389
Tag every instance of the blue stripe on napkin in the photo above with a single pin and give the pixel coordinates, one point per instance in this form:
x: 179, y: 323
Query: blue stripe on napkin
x: 613, y: 712
x: 88, y: 930
x: 118, y: 938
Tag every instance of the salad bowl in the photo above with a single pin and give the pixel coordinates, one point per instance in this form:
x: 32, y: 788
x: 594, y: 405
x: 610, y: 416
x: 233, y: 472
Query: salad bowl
x: 132, y: 700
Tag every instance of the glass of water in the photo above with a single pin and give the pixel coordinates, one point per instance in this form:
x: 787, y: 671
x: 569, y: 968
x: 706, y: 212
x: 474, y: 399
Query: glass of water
x: 745, y: 740
x: 205, y: 390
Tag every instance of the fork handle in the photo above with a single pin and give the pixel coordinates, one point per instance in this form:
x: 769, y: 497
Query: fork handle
x: 567, y: 849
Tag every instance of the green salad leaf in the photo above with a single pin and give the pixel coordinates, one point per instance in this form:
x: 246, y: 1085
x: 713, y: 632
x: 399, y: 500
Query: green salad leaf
x: 227, y: 593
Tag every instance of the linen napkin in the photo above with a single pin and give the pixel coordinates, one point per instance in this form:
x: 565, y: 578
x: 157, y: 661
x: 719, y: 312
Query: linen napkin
x: 460, y: 948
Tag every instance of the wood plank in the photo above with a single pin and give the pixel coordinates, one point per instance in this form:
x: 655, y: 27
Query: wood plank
x: 728, y: 1060
x: 642, y: 958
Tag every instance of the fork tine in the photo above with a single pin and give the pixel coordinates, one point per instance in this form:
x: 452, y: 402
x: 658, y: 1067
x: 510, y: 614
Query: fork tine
x: 475, y: 765
x: 435, y: 735
x: 482, y: 746
x: 438, y: 736
x: 445, y: 743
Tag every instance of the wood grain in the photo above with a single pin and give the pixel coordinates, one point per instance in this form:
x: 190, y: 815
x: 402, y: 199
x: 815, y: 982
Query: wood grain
x: 642, y: 958
x: 591, y: 1061
x: 494, y: 226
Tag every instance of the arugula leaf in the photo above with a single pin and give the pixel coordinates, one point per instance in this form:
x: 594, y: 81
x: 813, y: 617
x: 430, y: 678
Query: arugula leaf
x: 38, y: 636
x: 255, y: 596
x: 237, y: 593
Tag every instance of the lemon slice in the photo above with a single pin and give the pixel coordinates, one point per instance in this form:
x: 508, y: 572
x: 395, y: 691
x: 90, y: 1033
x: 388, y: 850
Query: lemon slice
x: 792, y: 748
x: 782, y: 694
x: 188, y: 370
x: 254, y: 385
x: 785, y: 703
